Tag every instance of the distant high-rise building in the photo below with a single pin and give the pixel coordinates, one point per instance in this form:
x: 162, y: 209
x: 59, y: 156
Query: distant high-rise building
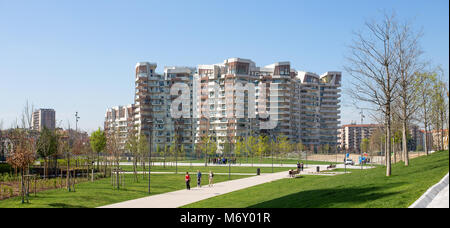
x: 43, y: 118
x: 352, y: 135
x: 119, y: 120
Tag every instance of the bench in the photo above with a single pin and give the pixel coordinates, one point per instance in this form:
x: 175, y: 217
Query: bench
x: 292, y: 173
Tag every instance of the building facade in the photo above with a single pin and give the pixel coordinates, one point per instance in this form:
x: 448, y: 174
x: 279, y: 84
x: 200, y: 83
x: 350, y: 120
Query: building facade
x: 235, y: 99
x: 352, y: 135
x: 304, y: 105
x: 43, y: 118
x: 119, y: 120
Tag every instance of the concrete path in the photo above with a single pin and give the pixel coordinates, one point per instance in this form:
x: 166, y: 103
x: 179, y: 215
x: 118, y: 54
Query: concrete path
x: 182, y: 173
x: 441, y: 200
x: 183, y: 197
x: 434, y: 197
x: 322, y: 167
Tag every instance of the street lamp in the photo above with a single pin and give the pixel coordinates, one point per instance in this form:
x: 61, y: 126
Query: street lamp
x: 150, y: 151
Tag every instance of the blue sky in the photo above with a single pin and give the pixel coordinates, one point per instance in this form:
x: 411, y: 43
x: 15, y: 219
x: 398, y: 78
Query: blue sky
x: 80, y: 55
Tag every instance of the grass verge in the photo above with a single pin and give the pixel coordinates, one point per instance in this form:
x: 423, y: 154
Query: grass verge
x: 358, y: 189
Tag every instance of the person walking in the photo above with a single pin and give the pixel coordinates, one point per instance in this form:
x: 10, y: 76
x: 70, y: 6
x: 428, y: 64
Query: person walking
x: 188, y: 180
x: 301, y: 166
x: 199, y: 178
x: 211, y: 176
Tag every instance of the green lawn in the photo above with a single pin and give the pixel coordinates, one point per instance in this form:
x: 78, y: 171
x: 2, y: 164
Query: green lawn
x: 203, y: 169
x: 359, y: 189
x: 100, y: 192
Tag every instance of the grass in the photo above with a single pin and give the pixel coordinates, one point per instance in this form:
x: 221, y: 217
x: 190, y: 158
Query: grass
x: 100, y: 192
x: 203, y: 169
x: 358, y: 189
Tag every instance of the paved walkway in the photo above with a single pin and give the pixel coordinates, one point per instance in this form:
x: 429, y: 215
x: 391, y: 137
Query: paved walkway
x: 435, y: 197
x: 441, y: 200
x: 184, y: 197
x: 183, y: 173
x: 322, y: 167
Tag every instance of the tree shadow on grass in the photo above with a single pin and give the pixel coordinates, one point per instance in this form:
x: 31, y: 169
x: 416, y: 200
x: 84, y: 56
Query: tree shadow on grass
x: 331, y: 197
x: 63, y: 205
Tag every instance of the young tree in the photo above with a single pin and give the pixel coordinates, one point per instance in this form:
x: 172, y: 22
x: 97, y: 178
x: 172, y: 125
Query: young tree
x: 47, y: 145
x: 372, y: 66
x: 132, y: 146
x: 407, y: 53
x: 283, y: 145
x: 113, y: 149
x: 251, y: 147
x: 98, y: 143
x: 239, y: 147
x: 299, y: 147
x: 424, y: 85
x: 22, y: 154
x: 143, y: 147
x: 439, y: 110
x: 262, y: 146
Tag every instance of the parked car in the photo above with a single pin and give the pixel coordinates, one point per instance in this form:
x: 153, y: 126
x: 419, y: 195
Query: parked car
x: 349, y: 162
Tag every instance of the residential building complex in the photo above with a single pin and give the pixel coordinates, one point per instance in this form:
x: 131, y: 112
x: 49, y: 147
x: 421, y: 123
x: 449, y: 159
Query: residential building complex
x: 436, y: 139
x: 352, y: 135
x: 43, y: 118
x: 304, y: 105
x: 119, y: 120
x: 236, y: 99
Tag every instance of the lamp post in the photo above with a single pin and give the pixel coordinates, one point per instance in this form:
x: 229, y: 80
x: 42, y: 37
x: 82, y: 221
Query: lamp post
x: 271, y: 149
x: 150, y: 122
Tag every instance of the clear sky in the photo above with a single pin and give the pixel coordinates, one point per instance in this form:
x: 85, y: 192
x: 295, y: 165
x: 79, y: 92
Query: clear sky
x: 80, y: 55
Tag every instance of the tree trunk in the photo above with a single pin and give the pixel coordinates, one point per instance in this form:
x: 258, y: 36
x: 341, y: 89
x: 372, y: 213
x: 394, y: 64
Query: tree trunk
x: 388, y: 133
x: 426, y: 134
x: 405, y: 144
x: 68, y: 173
x: 134, y: 169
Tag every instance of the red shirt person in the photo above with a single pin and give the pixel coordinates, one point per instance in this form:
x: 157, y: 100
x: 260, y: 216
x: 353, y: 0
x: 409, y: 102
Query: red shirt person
x: 188, y: 180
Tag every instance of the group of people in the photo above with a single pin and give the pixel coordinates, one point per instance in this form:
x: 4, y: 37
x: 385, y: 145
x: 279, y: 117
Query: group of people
x: 199, y: 179
x: 300, y: 166
x: 222, y: 160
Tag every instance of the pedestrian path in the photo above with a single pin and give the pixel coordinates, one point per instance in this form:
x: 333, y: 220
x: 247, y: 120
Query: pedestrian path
x: 435, y: 197
x: 182, y: 173
x: 441, y: 200
x: 183, y: 197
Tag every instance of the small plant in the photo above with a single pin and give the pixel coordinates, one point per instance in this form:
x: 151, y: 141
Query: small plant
x: 11, y: 192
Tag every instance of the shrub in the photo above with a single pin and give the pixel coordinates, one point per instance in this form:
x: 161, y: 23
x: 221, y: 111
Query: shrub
x: 5, y: 168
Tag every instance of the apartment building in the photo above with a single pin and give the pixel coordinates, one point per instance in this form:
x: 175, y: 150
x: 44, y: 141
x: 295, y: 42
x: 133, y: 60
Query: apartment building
x: 151, y: 100
x: 352, y: 135
x: 180, y: 129
x: 304, y: 105
x: 235, y: 99
x: 43, y: 118
x: 119, y: 120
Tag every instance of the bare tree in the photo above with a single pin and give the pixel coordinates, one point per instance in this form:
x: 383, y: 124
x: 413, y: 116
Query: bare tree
x: 408, y: 62
x: 113, y: 149
x: 22, y: 154
x: 371, y: 64
x: 27, y: 116
x: 424, y: 86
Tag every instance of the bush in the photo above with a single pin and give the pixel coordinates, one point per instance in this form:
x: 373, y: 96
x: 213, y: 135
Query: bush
x: 5, y: 168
